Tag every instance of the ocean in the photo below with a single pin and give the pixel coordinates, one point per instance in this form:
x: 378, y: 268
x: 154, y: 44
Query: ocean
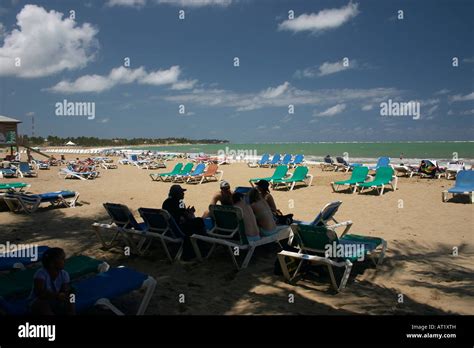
x: 411, y: 151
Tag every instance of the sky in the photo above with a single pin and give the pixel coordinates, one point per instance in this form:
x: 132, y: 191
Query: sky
x: 306, y: 71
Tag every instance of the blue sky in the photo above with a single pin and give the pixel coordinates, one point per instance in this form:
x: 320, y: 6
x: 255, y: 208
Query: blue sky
x: 283, y: 62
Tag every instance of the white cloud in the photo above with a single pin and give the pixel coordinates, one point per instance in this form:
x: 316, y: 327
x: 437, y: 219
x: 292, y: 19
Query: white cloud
x: 467, y: 112
x: 323, y: 20
x: 442, y: 91
x: 118, y: 76
x: 103, y: 120
x: 126, y: 3
x: 429, y: 102
x: 326, y: 68
x: 468, y: 60
x: 334, y: 110
x: 31, y: 113
x: 185, y: 84
x: 275, y: 92
x: 196, y: 3
x: 46, y: 44
x: 432, y: 109
x: 161, y: 77
x: 450, y: 113
x: 367, y: 107
x: 458, y: 97
x: 280, y: 96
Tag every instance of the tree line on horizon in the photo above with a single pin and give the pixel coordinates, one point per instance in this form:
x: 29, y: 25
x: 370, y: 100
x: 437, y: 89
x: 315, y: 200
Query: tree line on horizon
x: 52, y: 140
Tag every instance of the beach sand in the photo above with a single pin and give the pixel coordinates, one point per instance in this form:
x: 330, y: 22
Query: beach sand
x: 421, y: 232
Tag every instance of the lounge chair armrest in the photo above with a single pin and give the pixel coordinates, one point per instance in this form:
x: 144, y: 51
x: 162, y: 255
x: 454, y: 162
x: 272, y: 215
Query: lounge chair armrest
x: 347, y: 224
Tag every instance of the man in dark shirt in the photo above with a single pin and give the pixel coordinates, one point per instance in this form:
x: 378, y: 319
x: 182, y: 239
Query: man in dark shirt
x: 175, y: 206
x: 184, y: 217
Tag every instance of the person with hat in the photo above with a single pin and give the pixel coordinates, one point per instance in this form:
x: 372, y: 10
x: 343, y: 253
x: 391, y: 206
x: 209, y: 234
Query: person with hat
x: 224, y: 196
x: 263, y: 186
x: 175, y: 206
x: 184, y: 217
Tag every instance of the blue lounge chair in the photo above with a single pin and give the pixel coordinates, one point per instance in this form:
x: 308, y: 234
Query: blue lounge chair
x: 24, y: 169
x: 286, y: 160
x: 8, y: 173
x: 29, y: 203
x: 382, y: 162
x: 326, y: 215
x: 123, y: 225
x: 298, y: 160
x: 275, y: 160
x: 264, y: 160
x: 98, y: 290
x: 161, y: 225
x: 13, y: 260
x: 464, y: 185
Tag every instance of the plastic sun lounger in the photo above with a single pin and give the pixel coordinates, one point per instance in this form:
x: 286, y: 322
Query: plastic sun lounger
x: 384, y: 176
x: 229, y: 232
x: 454, y: 168
x: 186, y: 170
x: 98, y: 290
x: 275, y: 160
x: 10, y: 260
x: 464, y: 185
x: 264, y: 160
x: 286, y: 160
x: 359, y: 175
x: 298, y: 160
x: 381, y: 162
x: 299, y: 175
x: 161, y: 225
x: 25, y: 170
x: 123, y: 225
x: 211, y: 173
x: 312, y: 240
x: 159, y: 176
x: 326, y: 215
x: 69, y: 174
x: 197, y: 172
x: 8, y: 173
x: 14, y: 186
x: 19, y: 282
x: 407, y: 171
x: 29, y: 203
x: 279, y: 173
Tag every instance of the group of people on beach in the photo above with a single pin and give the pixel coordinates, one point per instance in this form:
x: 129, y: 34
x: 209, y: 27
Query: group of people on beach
x: 260, y: 214
x: 51, y: 285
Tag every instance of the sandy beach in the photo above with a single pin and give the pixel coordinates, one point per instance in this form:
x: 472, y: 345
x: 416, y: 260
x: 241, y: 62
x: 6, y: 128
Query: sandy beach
x: 421, y: 232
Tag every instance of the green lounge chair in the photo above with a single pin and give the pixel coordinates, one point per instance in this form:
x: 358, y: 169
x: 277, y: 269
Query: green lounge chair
x: 359, y: 175
x: 14, y: 186
x: 20, y: 282
x: 315, y: 244
x: 229, y: 231
x: 300, y: 175
x: 383, y: 176
x: 187, y: 169
x: 278, y: 174
x: 159, y: 176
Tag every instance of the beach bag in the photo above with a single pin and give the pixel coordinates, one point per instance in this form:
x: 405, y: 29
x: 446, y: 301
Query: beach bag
x: 281, y: 219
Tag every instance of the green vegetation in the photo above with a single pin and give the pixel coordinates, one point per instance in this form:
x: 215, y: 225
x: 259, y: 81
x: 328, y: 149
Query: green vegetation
x: 92, y: 141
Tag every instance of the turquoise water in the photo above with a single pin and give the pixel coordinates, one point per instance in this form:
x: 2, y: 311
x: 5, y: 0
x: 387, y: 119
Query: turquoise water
x: 434, y: 150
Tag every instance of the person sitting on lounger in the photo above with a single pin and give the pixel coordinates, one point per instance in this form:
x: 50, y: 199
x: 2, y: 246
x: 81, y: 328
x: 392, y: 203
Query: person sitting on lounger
x: 250, y: 222
x: 184, y: 217
x: 263, y: 213
x: 263, y: 187
x: 51, y: 286
x: 224, y: 197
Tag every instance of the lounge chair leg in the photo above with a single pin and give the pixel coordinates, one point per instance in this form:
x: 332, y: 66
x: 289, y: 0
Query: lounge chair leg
x: 196, y: 248
x: 149, y: 285
x: 248, y: 257
x: 345, y: 276
x: 234, y: 260
x: 284, y: 267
